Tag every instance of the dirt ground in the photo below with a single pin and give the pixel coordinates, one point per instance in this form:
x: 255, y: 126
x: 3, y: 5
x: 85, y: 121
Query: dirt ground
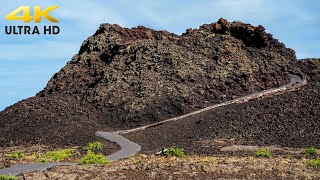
x: 229, y: 162
x: 191, y: 167
x: 34, y: 153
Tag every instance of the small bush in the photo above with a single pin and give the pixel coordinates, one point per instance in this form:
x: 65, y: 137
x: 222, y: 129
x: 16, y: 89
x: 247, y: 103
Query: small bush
x: 262, y: 153
x: 15, y: 155
x: 7, y: 177
x: 173, y: 152
x: 315, y: 163
x: 311, y: 151
x: 42, y: 160
x: 94, y: 146
x: 59, y: 155
x: 92, y: 158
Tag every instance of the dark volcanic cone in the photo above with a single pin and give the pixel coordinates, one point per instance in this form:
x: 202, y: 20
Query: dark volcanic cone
x: 123, y: 78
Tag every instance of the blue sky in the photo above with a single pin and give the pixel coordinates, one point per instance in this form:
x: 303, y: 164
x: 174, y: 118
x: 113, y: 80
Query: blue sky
x: 28, y: 62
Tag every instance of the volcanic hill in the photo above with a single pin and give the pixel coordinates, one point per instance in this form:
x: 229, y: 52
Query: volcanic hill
x: 123, y: 78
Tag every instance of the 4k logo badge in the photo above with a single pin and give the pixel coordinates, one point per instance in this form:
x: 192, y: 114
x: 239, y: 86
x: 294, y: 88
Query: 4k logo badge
x: 26, y: 14
x: 26, y: 17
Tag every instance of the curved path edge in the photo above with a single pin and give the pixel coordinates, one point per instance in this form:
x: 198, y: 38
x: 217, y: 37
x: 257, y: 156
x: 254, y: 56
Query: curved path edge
x: 129, y: 148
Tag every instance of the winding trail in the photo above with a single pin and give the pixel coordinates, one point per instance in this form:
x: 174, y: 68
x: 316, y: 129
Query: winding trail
x: 129, y: 148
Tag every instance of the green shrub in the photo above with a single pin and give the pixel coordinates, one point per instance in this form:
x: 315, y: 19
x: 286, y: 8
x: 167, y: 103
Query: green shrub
x: 92, y: 158
x: 262, y: 153
x: 311, y: 151
x: 315, y: 163
x: 7, y: 177
x: 94, y: 146
x: 59, y: 155
x: 42, y: 160
x: 173, y: 152
x: 15, y: 155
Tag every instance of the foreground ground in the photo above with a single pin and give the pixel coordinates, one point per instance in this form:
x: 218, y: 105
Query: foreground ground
x: 230, y: 162
x: 194, y: 167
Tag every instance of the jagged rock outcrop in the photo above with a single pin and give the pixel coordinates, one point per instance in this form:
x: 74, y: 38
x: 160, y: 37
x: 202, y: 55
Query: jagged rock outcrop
x: 123, y: 78
x: 250, y: 35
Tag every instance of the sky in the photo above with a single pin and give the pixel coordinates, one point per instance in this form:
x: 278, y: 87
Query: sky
x: 28, y: 62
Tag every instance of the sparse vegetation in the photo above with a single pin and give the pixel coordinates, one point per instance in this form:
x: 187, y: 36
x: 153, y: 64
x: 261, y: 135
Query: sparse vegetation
x: 262, y: 153
x: 92, y: 158
x: 173, y: 152
x: 15, y: 155
x: 94, y: 146
x: 315, y: 163
x: 311, y: 151
x: 289, y: 156
x: 7, y: 177
x: 59, y: 155
x: 42, y: 160
x: 33, y: 156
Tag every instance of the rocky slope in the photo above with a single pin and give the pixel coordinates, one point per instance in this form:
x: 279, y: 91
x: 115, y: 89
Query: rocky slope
x: 289, y: 120
x: 122, y: 78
